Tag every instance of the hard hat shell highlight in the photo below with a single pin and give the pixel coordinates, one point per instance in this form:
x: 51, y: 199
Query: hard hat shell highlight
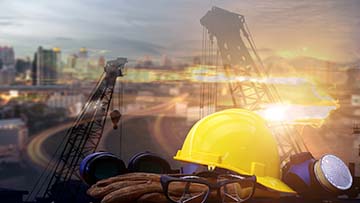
x: 237, y: 140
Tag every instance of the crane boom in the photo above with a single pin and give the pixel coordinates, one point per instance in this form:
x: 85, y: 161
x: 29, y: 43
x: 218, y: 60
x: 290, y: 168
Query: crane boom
x: 84, y: 136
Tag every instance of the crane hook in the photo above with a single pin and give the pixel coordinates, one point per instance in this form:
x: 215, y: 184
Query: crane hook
x: 115, y: 116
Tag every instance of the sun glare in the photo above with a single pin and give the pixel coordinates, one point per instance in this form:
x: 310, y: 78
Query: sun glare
x: 275, y: 113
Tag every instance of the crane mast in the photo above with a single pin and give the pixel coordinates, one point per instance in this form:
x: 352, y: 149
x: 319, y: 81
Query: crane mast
x: 234, y: 43
x: 85, y: 134
x: 227, y: 28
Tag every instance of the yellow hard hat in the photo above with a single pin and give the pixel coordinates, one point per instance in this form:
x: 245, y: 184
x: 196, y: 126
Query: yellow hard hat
x: 236, y: 140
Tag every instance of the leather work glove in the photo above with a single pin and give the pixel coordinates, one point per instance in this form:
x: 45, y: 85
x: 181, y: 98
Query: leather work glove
x: 143, y: 188
x: 129, y: 188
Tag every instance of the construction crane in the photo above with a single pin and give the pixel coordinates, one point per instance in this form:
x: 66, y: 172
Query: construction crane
x: 239, y: 56
x: 83, y: 137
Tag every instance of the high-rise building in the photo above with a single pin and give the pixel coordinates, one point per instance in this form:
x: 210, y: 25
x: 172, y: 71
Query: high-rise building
x: 166, y: 62
x: 7, y: 76
x: 82, y: 61
x: 7, y: 65
x: 57, y: 52
x: 45, y: 65
x: 83, y: 53
x: 71, y: 61
x: 7, y: 56
x: 23, y: 70
x: 22, y: 65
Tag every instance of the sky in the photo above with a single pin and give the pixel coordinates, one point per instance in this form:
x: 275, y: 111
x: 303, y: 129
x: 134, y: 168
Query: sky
x: 324, y: 29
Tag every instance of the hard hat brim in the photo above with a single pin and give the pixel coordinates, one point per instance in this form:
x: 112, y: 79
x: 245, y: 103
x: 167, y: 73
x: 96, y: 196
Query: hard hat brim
x: 268, y: 182
x: 275, y: 184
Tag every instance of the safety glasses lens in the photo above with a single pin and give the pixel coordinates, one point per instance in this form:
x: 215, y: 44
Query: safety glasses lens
x: 187, y: 192
x: 237, y: 191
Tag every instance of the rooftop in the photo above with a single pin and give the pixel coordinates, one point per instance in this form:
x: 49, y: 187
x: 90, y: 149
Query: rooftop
x: 11, y: 123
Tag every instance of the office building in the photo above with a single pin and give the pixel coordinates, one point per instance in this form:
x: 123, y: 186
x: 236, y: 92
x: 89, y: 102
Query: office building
x: 13, y: 136
x: 45, y: 66
x: 83, y: 53
x: 7, y: 65
x: 7, y: 57
x: 7, y: 76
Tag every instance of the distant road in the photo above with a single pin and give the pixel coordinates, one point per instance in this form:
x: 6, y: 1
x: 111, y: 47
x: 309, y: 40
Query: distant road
x: 34, y: 149
x: 38, y: 156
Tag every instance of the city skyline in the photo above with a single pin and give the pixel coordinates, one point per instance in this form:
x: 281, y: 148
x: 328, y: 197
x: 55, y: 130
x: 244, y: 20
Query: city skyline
x: 78, y: 77
x: 320, y: 29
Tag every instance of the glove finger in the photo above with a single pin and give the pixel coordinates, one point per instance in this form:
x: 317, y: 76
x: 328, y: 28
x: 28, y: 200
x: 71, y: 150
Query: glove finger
x: 99, y: 192
x: 128, y: 176
x: 152, y: 198
x: 132, y: 193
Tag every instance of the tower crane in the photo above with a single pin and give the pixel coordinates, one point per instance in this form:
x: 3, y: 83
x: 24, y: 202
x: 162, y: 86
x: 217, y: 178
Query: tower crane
x: 239, y: 56
x: 85, y: 134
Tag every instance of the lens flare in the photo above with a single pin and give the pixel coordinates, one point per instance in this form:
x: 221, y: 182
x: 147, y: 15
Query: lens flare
x: 275, y: 112
x: 296, y: 114
x: 305, y: 102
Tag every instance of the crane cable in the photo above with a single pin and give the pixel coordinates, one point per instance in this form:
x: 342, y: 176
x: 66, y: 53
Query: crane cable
x: 121, y: 109
x: 209, y: 61
x: 202, y: 61
x: 212, y: 89
x: 272, y: 90
x: 206, y: 93
x: 209, y: 81
x: 217, y: 77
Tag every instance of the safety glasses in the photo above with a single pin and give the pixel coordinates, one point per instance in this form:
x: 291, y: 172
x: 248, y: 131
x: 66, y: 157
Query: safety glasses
x: 198, y: 188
